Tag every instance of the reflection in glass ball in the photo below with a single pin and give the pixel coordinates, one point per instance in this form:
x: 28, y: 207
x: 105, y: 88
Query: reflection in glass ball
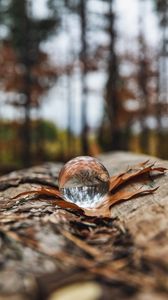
x: 84, y: 181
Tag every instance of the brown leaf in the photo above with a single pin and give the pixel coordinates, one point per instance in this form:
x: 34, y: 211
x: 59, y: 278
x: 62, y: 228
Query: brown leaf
x: 127, y: 185
x: 103, y: 210
x: 55, y: 193
x: 135, y: 171
x: 42, y: 191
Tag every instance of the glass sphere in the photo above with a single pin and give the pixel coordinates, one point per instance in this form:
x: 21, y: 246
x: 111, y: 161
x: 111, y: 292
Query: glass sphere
x: 84, y: 181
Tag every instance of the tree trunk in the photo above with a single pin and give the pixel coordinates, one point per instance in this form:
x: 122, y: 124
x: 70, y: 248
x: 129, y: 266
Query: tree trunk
x: 46, y: 249
x: 143, y: 79
x: 26, y: 127
x: 21, y: 39
x: 111, y: 93
x: 83, y: 57
x: 162, y: 103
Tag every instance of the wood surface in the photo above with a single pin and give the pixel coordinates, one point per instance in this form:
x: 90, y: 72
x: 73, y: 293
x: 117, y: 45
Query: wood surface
x: 50, y: 253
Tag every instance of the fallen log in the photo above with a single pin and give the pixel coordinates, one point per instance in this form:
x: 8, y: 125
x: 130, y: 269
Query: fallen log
x: 48, y: 252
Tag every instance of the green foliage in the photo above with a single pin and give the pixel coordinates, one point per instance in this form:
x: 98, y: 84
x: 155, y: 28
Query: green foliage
x: 45, y: 131
x: 7, y: 132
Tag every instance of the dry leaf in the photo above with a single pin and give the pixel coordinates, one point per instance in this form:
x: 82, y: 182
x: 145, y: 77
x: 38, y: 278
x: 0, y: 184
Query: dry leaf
x: 133, y: 172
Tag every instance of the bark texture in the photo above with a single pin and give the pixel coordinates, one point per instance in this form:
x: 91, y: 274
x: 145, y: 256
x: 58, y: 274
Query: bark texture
x: 51, y: 253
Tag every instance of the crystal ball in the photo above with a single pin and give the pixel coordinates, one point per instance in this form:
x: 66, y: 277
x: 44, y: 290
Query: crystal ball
x: 84, y: 181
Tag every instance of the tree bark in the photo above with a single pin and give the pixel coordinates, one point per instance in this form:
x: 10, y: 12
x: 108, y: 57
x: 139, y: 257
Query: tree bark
x: 46, y: 249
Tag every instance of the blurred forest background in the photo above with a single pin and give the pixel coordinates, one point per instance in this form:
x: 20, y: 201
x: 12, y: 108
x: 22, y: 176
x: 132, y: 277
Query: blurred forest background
x: 74, y: 80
